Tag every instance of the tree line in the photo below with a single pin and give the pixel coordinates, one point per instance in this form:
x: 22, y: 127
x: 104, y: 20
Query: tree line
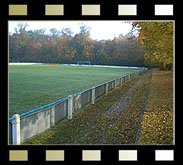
x: 61, y: 46
x: 148, y: 44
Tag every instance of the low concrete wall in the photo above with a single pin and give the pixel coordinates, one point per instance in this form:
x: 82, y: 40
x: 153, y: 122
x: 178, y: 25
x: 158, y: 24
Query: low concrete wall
x: 111, y: 85
x: 100, y: 90
x: 34, y: 124
x: 81, y: 100
x: 61, y: 111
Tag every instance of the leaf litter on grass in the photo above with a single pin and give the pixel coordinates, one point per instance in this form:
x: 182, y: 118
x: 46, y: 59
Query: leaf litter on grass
x: 157, y: 124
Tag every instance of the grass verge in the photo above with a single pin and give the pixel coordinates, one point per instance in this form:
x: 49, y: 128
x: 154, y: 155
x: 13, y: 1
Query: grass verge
x: 157, y: 124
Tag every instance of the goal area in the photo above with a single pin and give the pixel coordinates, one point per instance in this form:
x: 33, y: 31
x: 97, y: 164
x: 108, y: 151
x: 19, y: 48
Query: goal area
x: 83, y: 62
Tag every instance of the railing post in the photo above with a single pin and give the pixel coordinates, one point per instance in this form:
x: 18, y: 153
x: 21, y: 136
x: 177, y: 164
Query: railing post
x: 140, y: 71
x: 93, y: 96
x: 70, y: 100
x: 16, y: 130
x: 116, y: 83
x: 106, y: 88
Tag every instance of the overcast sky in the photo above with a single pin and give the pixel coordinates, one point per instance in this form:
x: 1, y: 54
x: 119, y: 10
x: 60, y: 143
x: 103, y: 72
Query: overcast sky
x: 99, y: 29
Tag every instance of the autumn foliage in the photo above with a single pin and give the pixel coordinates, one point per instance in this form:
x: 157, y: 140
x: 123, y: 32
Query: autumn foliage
x: 64, y: 47
x: 157, y: 37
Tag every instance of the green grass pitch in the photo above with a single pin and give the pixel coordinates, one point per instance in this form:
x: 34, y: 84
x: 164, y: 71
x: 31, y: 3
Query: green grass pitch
x: 33, y: 86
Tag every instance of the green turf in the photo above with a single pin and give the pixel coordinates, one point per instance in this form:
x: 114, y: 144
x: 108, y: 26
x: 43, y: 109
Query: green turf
x: 33, y: 86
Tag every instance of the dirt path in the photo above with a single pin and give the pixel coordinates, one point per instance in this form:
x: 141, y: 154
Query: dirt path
x: 110, y: 116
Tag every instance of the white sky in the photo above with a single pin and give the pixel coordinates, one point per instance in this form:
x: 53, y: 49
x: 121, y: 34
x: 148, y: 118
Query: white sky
x: 99, y: 29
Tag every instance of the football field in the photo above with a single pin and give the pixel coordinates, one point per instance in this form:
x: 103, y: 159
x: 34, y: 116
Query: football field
x: 33, y: 86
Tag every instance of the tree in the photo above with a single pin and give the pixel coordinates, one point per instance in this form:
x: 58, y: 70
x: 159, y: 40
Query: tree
x: 66, y: 33
x: 17, y: 42
x: 83, y: 44
x: 157, y: 37
x: 54, y: 34
x: 85, y: 30
x: 65, y: 50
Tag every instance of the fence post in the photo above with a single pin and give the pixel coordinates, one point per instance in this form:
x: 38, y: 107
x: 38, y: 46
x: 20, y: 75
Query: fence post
x: 70, y: 100
x: 52, y: 116
x: 16, y: 129
x: 93, y: 96
x: 106, y: 88
x: 116, y: 82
